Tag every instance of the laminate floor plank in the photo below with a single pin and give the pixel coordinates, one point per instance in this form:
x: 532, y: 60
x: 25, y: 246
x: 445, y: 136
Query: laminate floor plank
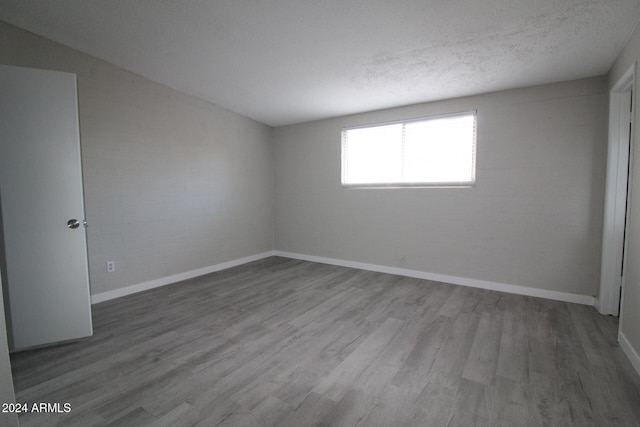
x: 472, y: 406
x: 507, y: 402
x: 482, y: 361
x: 435, y: 406
x: 413, y: 372
x: 314, y: 410
x: 338, y: 382
x: 281, y: 342
x: 387, y: 365
x: 270, y: 411
x: 451, y: 358
x: 352, y: 409
x: 513, y: 353
x: 394, y: 406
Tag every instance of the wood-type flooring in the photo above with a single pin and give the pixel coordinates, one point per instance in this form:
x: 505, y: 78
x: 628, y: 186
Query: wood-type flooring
x: 282, y: 342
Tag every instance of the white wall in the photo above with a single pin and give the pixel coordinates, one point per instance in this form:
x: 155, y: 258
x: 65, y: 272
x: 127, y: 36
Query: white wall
x: 630, y: 313
x: 534, y: 218
x: 172, y: 183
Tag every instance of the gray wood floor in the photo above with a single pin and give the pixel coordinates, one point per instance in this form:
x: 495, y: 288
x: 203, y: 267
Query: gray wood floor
x: 281, y: 342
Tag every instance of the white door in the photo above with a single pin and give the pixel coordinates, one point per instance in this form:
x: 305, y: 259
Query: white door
x: 47, y: 280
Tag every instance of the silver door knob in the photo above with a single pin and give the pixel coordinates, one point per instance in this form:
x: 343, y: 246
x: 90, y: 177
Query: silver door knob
x: 73, y: 223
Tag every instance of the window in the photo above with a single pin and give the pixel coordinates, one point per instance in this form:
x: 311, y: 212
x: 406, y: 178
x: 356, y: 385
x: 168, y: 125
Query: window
x: 435, y: 151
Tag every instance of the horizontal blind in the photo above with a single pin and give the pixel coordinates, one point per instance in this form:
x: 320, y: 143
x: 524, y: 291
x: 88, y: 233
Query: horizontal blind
x: 430, y: 151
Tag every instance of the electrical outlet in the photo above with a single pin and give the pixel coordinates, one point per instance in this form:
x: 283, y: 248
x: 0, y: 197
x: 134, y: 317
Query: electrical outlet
x: 111, y: 266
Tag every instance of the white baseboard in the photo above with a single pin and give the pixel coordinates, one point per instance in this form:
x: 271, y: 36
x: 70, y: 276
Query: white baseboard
x: 598, y: 305
x: 163, y: 281
x: 463, y: 281
x: 482, y: 284
x: 631, y: 353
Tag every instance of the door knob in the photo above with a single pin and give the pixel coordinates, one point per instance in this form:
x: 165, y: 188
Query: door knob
x: 73, y: 223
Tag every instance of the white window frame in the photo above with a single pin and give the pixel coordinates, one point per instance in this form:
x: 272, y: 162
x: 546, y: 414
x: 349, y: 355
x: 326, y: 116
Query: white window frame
x: 407, y: 184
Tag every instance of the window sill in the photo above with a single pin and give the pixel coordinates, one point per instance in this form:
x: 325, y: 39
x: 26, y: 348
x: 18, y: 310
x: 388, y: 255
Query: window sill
x: 408, y: 185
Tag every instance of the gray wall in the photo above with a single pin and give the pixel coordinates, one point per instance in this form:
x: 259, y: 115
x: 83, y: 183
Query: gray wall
x: 630, y: 316
x: 534, y: 218
x: 172, y: 183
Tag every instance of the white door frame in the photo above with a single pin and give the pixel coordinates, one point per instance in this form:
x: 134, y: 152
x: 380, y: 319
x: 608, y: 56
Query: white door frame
x: 615, y: 209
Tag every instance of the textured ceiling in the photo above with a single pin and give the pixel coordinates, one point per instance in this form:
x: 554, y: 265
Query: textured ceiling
x: 289, y: 61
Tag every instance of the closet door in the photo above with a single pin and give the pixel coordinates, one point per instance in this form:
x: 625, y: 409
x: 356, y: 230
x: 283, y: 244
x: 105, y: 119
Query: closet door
x: 45, y: 264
